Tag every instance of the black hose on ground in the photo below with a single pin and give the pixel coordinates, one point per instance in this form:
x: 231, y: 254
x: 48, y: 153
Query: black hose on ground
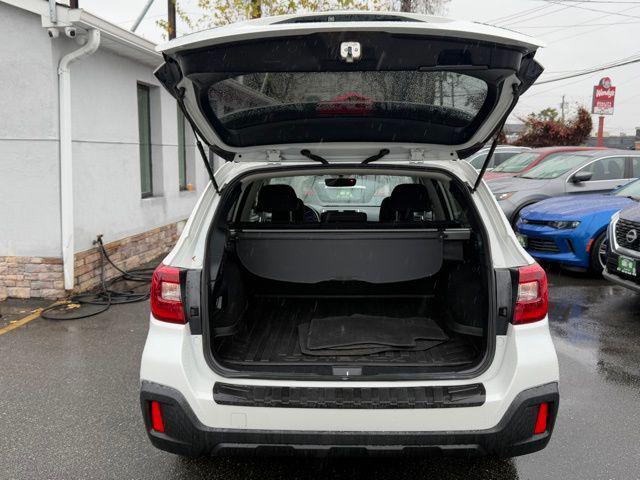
x: 88, y: 304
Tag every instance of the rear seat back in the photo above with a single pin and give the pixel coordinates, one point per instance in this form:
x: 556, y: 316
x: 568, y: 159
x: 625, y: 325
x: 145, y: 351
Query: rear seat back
x: 408, y: 202
x: 281, y: 202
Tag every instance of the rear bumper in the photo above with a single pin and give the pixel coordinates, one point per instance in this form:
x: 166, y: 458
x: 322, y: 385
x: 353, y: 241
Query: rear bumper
x: 186, y: 435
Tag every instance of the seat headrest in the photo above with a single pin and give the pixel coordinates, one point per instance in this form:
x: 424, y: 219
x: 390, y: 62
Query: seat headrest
x: 410, y: 197
x: 277, y: 198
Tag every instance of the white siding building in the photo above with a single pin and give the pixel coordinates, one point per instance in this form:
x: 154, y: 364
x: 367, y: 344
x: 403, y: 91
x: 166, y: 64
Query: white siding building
x: 129, y: 171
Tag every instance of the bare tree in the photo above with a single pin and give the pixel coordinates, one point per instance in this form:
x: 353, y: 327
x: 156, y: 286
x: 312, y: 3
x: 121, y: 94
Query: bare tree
x: 220, y: 12
x: 256, y: 9
x: 429, y: 7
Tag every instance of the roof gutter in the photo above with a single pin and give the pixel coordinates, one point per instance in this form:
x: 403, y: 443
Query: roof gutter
x: 66, y: 157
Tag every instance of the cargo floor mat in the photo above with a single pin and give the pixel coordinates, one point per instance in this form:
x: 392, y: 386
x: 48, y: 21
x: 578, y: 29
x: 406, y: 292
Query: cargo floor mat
x: 371, y: 330
x: 359, y: 349
x: 272, y: 337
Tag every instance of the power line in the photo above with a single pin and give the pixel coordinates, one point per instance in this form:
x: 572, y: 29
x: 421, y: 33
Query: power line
x: 579, y: 78
x: 585, y: 22
x: 564, y: 7
x: 517, y: 14
x: 612, y: 2
x: 590, y: 71
x: 581, y: 25
x: 564, y: 85
x: 591, y: 9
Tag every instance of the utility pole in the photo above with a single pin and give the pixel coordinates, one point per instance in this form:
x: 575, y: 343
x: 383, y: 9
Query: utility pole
x: 143, y: 12
x: 562, y: 108
x: 600, y: 131
x: 171, y: 18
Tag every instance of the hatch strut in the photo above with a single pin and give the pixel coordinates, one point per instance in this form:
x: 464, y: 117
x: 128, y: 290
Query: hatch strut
x: 487, y: 160
x: 196, y: 135
x: 516, y: 94
x: 206, y: 161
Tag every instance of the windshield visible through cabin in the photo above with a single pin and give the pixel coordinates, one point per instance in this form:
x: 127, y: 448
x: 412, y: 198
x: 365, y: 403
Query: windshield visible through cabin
x: 517, y: 163
x: 559, y: 166
x: 631, y: 190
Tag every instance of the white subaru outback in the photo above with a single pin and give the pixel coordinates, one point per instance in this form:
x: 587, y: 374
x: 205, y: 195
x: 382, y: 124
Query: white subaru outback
x: 346, y: 284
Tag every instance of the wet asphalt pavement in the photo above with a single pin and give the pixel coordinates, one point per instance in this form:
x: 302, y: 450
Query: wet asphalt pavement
x: 69, y: 403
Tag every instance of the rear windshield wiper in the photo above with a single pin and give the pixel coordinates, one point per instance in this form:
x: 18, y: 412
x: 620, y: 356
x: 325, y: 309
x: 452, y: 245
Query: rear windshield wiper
x: 318, y: 158
x: 377, y: 156
x: 314, y: 157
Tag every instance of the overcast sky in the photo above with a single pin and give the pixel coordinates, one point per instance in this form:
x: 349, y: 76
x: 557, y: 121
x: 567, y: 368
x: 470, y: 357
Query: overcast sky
x: 576, y: 37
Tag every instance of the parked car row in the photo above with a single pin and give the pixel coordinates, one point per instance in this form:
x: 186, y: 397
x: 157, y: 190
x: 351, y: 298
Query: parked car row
x: 501, y: 155
x: 575, y: 206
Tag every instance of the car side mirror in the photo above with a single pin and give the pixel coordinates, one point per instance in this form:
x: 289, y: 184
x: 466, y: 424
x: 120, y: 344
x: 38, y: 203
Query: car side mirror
x: 580, y: 177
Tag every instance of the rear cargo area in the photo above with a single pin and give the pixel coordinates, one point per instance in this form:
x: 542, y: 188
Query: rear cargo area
x: 270, y: 335
x: 375, y: 291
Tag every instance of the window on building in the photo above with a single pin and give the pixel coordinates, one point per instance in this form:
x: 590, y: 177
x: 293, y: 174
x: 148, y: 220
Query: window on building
x: 182, y: 152
x: 144, y: 131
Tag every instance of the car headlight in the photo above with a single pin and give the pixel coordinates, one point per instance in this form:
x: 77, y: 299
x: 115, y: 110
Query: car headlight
x: 564, y: 224
x: 503, y: 195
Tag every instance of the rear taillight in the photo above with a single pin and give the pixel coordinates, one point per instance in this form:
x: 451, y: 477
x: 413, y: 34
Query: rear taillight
x: 532, y: 302
x: 156, y: 417
x: 541, y: 419
x: 166, y: 297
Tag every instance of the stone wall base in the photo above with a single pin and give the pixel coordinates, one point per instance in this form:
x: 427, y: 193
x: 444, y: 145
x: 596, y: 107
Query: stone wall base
x: 42, y: 277
x: 31, y: 277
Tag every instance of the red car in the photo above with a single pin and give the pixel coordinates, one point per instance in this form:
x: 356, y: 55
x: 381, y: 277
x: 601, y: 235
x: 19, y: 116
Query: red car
x: 524, y: 161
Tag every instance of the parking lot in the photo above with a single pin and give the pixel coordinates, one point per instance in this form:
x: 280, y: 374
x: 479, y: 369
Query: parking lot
x: 69, y: 403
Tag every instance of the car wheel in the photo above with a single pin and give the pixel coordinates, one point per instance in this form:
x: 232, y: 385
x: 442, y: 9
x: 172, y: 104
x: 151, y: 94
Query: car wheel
x: 598, y: 254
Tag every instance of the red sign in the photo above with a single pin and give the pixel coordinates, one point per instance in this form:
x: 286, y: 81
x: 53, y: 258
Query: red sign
x: 347, y: 104
x: 603, y: 97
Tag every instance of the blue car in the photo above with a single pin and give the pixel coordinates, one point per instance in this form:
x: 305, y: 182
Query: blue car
x: 571, y: 230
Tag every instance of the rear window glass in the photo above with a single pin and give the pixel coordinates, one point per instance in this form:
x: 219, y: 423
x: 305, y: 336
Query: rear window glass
x: 630, y: 190
x: 478, y: 160
x: 561, y: 165
x: 517, y: 163
x: 368, y: 190
x: 286, y: 107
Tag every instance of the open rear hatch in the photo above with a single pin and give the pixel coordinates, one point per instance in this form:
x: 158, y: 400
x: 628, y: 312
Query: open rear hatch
x: 348, y: 80
x: 405, y: 276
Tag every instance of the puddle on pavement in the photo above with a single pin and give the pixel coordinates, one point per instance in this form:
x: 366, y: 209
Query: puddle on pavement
x: 597, y: 324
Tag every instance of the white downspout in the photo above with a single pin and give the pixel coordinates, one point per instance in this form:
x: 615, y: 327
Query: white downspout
x: 66, y: 157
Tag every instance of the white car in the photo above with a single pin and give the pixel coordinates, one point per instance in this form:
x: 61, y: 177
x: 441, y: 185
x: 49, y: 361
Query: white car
x: 501, y: 154
x: 346, y: 284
